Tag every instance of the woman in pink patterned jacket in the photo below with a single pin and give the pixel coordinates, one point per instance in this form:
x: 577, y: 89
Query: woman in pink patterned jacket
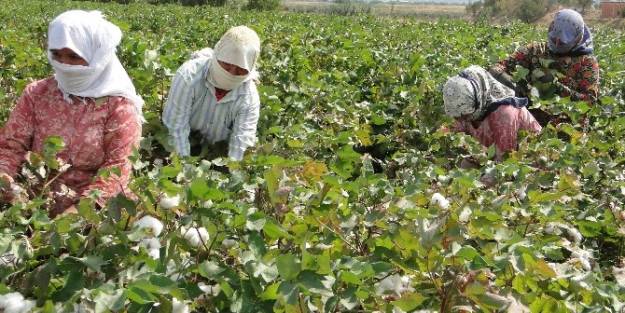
x: 90, y: 103
x: 487, y: 110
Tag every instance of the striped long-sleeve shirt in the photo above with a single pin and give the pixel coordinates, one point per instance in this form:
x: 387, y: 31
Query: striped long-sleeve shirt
x: 192, y: 105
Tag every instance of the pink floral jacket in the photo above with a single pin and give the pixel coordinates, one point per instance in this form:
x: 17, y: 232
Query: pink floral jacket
x: 98, y: 134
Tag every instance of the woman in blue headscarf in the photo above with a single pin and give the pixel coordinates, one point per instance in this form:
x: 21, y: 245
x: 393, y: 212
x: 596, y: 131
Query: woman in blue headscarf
x: 564, y: 65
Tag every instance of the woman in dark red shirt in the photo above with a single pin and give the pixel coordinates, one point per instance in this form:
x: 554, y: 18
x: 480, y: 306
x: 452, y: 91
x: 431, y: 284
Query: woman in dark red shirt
x: 90, y: 103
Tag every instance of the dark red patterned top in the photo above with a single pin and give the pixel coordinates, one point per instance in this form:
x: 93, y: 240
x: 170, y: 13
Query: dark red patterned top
x: 98, y: 134
x: 578, y: 76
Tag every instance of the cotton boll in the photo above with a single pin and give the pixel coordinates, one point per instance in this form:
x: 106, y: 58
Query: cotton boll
x: 574, y: 234
x: 522, y: 193
x: 195, y: 236
x: 14, y: 302
x: 440, y: 200
x: 153, y: 246
x: 465, y: 215
x: 228, y: 243
x: 395, y: 284
x: 179, y: 306
x: 552, y: 229
x: 151, y: 223
x: 169, y: 202
x: 583, y: 257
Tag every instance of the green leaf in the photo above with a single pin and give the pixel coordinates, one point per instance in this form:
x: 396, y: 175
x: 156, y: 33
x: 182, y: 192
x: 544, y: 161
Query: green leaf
x: 210, y: 269
x: 288, y: 266
x: 73, y: 283
x: 201, y: 191
x: 275, y: 231
x: 409, y: 301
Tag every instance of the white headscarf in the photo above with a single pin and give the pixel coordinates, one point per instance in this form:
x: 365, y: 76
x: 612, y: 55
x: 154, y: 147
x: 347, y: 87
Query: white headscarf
x: 472, y: 92
x: 95, y: 39
x: 240, y: 46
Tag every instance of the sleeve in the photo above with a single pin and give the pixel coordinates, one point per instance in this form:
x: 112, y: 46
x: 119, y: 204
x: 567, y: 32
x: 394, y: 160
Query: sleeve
x: 503, y: 70
x: 586, y: 77
x: 244, y: 129
x: 528, y: 122
x: 177, y: 114
x: 522, y: 56
x: 121, y: 136
x: 16, y: 135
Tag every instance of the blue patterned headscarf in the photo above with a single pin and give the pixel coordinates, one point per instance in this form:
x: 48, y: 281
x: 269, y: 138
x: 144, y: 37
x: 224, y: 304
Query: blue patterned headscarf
x: 568, y: 34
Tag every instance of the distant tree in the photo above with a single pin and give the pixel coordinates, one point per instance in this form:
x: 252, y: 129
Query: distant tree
x: 263, y: 5
x: 531, y: 10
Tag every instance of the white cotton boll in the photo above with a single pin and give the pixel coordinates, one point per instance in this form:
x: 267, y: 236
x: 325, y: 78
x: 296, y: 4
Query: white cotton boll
x: 154, y: 253
x: 440, y: 200
x: 153, y: 246
x: 465, y: 215
x: 228, y: 243
x: 522, y: 193
x: 179, y: 306
x: 169, y: 202
x: 395, y: 284
x: 150, y: 223
x: 14, y: 302
x: 213, y: 290
x: 574, y: 234
x: 195, y: 236
x: 583, y: 257
x: 552, y: 229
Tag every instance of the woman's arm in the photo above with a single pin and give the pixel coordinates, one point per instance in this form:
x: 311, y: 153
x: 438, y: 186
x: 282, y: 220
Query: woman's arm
x: 16, y: 136
x: 244, y: 129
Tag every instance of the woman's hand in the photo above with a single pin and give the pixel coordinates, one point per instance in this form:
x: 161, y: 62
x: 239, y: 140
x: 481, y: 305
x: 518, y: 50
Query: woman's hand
x: 6, y: 188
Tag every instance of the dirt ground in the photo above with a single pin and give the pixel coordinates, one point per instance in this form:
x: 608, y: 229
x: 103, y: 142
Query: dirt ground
x: 398, y: 9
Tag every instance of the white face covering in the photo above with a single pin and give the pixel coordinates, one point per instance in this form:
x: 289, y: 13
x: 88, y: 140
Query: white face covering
x: 95, y: 39
x: 239, y: 46
x: 222, y: 79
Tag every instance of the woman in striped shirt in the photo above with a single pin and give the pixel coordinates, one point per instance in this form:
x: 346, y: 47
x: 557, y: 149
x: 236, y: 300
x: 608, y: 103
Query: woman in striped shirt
x: 215, y: 94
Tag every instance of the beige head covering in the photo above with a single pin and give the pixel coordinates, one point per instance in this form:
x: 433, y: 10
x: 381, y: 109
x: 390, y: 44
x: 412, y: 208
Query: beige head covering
x: 472, y: 91
x: 240, y: 46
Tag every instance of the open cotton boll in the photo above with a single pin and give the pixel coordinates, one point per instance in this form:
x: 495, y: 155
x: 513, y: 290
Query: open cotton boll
x: 168, y: 202
x: 583, y: 257
x: 14, y: 302
x: 195, y: 236
x: 228, y: 243
x: 153, y: 246
x: 440, y: 200
x: 179, y: 306
x: 465, y: 215
x: 151, y: 223
x: 395, y: 284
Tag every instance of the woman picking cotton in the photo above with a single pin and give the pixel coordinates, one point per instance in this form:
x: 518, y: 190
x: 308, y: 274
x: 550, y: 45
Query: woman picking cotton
x: 215, y: 95
x: 487, y: 110
x: 564, y: 65
x: 90, y: 102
